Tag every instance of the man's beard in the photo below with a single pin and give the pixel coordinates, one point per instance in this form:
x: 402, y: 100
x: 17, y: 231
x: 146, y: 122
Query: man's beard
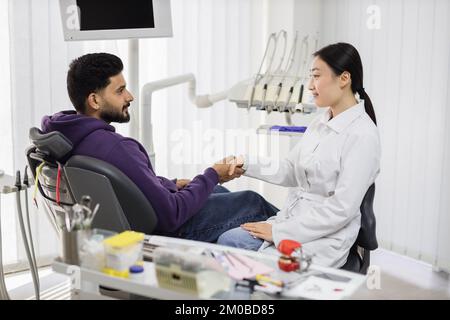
x: 109, y: 114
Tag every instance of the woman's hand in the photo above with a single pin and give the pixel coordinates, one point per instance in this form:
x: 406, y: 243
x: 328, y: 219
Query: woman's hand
x: 228, y: 169
x: 181, y: 183
x: 260, y: 230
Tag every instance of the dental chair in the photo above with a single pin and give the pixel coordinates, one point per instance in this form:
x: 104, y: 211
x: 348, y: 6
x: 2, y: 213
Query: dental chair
x: 359, y: 257
x: 123, y: 206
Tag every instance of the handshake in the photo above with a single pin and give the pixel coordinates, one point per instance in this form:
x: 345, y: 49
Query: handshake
x: 229, y: 168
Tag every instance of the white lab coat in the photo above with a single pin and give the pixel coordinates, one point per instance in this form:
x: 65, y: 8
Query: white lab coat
x: 328, y: 172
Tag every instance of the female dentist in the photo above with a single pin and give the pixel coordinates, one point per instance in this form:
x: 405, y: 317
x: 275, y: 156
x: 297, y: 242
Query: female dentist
x: 329, y: 170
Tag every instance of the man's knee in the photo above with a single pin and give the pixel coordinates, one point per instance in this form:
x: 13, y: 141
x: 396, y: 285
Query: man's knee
x: 252, y: 196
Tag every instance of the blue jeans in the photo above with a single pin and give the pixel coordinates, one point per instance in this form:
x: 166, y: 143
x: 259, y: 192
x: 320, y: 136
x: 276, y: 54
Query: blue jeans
x: 240, y: 238
x: 225, y: 210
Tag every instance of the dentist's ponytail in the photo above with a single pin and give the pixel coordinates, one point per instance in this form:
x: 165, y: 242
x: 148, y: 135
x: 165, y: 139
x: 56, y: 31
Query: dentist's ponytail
x: 367, y: 104
x: 344, y: 57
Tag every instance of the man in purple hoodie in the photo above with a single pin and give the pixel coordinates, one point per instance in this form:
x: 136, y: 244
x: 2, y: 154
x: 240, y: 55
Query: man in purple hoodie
x: 197, y: 209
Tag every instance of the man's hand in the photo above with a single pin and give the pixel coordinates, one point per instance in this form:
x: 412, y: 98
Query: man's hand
x: 260, y: 230
x: 227, y: 169
x: 236, y: 162
x: 181, y: 183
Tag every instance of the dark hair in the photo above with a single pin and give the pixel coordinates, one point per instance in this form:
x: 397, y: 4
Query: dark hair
x: 344, y: 57
x: 90, y: 73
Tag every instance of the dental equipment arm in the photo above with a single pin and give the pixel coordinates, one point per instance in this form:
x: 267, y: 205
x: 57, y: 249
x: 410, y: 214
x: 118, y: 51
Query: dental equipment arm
x: 290, y: 92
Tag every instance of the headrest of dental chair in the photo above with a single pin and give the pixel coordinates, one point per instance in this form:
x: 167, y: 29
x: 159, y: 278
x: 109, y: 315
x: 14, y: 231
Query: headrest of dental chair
x: 367, y: 233
x: 53, y: 145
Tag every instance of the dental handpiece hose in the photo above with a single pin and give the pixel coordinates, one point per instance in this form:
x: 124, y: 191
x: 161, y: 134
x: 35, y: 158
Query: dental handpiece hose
x: 27, y: 212
x: 24, y: 237
x: 3, y: 289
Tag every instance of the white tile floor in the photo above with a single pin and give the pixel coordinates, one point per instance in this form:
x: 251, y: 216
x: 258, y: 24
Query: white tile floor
x: 53, y: 286
x: 405, y: 278
x: 410, y: 270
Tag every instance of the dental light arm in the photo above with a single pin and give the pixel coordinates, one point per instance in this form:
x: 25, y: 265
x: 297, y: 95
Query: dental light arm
x: 145, y: 119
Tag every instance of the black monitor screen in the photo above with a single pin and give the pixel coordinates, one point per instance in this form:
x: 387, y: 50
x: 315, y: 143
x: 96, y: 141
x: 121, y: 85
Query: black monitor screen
x: 115, y: 14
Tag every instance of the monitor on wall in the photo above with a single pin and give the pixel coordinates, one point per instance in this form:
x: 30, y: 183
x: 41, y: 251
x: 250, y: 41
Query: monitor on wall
x: 115, y: 19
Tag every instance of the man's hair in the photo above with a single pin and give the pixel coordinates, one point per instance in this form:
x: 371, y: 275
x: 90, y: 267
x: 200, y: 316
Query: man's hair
x: 90, y: 73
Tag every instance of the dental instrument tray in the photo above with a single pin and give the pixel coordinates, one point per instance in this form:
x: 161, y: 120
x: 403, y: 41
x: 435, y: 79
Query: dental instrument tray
x: 197, y: 275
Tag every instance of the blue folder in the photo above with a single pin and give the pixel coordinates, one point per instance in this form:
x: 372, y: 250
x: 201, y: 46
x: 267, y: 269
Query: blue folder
x: 288, y: 128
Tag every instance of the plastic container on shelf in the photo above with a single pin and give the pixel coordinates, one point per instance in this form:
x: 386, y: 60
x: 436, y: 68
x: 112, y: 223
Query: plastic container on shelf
x: 136, y: 273
x: 92, y: 249
x: 122, y: 251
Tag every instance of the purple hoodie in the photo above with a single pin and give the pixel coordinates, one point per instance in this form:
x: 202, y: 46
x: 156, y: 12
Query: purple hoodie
x: 97, y: 139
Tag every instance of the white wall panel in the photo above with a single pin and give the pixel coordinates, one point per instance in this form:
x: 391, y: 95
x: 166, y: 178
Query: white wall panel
x: 406, y: 71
